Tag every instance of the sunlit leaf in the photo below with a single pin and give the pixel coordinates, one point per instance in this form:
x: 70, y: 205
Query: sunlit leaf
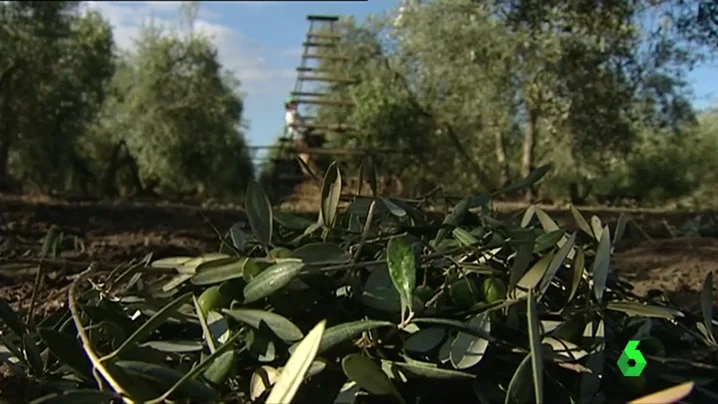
x: 297, y: 366
x: 467, y: 350
x: 668, y: 396
x: 279, y: 325
x: 536, y: 349
x: 218, y: 271
x: 601, y: 264
x: 402, y: 262
x: 707, y: 304
x: 272, y: 279
x: 581, y: 222
x: 331, y: 192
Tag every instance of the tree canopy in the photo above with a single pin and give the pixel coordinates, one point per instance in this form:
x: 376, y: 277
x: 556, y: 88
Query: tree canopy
x: 77, y: 114
x: 489, y: 90
x: 474, y: 94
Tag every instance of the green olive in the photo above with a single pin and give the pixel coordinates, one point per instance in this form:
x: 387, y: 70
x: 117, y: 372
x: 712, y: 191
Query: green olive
x: 280, y: 252
x: 493, y: 290
x: 424, y: 293
x: 464, y: 293
x: 212, y: 299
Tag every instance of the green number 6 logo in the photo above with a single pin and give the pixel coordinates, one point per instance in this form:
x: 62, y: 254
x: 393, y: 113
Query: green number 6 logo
x: 631, y: 353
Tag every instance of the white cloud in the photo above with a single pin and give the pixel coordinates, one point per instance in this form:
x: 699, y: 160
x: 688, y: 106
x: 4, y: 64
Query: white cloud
x: 236, y: 52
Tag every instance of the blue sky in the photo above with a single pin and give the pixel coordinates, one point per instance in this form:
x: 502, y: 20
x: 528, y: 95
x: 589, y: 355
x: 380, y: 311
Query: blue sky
x: 261, y: 42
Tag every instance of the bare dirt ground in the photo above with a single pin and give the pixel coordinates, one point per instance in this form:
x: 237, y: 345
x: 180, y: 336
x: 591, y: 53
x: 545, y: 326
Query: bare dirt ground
x: 652, y: 255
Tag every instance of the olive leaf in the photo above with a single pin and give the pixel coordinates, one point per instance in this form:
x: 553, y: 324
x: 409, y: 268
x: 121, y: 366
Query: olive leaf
x: 272, y: 279
x: 331, y: 192
x: 402, y: 262
x: 259, y: 214
x: 369, y: 376
x: 297, y: 366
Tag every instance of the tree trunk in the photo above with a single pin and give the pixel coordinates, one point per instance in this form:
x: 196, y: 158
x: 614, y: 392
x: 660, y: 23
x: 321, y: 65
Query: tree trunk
x: 501, y: 158
x: 4, y: 160
x: 528, y: 152
x: 6, y: 129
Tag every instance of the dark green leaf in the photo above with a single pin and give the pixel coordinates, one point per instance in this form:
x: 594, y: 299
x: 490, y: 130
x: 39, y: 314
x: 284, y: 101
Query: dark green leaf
x: 68, y: 350
x: 272, y: 279
x: 518, y: 390
x: 291, y: 222
x: 51, y: 241
x: 174, y: 346
x: 32, y: 352
x: 222, y: 368
x: 238, y: 238
x: 259, y: 213
x: 369, y: 376
x: 153, y: 323
x: 620, y: 228
x: 529, y: 180
x: 11, y: 319
x: 464, y: 237
x: 425, y: 340
x: 579, y: 265
x: 455, y: 324
x: 280, y: 326
x: 394, y: 209
x: 77, y: 397
x: 416, y: 370
x: 261, y: 344
x: 556, y: 263
x: 165, y: 378
x: 379, y: 292
x: 368, y: 171
x: 321, y: 253
x: 644, y: 310
x: 453, y: 219
x: 342, y: 332
x: 548, y: 240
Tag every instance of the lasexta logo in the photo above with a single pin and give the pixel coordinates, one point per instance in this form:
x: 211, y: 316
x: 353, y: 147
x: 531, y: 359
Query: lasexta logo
x: 631, y: 362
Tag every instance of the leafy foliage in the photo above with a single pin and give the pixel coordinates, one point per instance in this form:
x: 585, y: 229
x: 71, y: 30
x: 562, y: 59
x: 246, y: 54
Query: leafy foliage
x: 488, y: 91
x: 508, y: 311
x: 79, y: 115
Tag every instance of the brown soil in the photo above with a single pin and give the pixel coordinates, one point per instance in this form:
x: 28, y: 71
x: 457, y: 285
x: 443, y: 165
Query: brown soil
x: 119, y: 231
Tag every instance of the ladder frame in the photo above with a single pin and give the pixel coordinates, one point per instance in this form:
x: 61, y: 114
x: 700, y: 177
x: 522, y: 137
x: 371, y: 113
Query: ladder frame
x: 316, y: 38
